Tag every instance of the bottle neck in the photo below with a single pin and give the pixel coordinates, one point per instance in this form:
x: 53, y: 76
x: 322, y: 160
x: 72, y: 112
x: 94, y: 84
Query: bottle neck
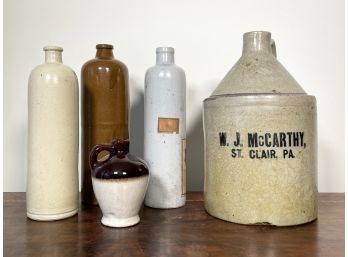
x: 53, y: 56
x: 120, y: 147
x: 164, y: 55
x: 104, y: 51
x: 104, y: 54
x: 257, y: 42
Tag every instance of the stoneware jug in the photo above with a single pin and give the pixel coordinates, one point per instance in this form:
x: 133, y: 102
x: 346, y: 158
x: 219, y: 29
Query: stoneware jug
x: 165, y: 131
x: 105, y: 104
x: 53, y: 139
x: 260, y: 142
x: 119, y: 182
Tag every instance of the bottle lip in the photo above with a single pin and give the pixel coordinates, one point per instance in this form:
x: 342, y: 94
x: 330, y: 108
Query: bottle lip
x: 256, y: 32
x: 165, y: 49
x: 53, y: 48
x: 104, y: 46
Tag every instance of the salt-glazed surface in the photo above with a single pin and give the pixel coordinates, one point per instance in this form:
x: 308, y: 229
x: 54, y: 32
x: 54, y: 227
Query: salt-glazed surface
x: 53, y: 139
x: 260, y: 142
x: 165, y: 131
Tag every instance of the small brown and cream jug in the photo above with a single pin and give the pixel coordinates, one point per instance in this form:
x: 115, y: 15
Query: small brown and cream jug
x: 119, y: 181
x: 260, y: 142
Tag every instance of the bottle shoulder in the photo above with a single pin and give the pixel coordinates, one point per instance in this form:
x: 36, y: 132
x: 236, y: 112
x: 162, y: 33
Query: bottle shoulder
x: 257, y: 73
x: 160, y: 70
x: 127, y: 166
x: 110, y: 63
x: 54, y: 69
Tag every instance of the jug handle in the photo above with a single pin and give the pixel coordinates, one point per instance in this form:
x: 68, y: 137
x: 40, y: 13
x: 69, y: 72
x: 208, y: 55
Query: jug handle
x: 93, y: 157
x: 273, y: 48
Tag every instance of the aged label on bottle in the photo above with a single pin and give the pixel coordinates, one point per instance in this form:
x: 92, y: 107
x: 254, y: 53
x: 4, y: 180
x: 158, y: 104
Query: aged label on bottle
x: 269, y: 145
x: 183, y: 166
x: 168, y: 125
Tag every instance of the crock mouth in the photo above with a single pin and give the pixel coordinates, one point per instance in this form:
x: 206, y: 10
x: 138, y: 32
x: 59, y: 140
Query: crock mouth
x: 256, y: 32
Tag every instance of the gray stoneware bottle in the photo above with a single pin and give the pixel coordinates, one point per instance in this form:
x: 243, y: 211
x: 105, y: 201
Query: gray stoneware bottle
x: 260, y: 142
x: 165, y: 131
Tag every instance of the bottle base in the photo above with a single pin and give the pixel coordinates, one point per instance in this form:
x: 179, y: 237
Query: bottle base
x: 255, y: 222
x: 51, y: 217
x: 165, y: 206
x: 120, y: 223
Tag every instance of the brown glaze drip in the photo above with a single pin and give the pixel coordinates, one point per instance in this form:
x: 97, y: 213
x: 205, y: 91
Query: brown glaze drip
x: 105, y: 105
x: 120, y: 164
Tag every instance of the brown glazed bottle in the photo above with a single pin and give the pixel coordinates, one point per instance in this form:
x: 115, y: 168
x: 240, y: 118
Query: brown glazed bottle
x: 105, y: 104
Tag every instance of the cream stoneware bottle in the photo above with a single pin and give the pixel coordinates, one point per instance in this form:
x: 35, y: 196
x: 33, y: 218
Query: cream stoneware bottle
x: 53, y: 114
x: 260, y: 142
x: 165, y: 131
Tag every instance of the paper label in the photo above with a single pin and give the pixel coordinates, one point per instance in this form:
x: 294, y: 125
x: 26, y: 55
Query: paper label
x: 168, y: 125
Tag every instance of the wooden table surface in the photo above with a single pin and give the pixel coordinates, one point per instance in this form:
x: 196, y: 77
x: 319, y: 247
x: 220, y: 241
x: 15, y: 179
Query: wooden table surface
x: 187, y: 231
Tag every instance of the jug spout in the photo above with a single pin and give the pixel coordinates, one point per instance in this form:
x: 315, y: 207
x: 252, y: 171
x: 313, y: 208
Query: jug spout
x: 258, y: 41
x: 259, y: 66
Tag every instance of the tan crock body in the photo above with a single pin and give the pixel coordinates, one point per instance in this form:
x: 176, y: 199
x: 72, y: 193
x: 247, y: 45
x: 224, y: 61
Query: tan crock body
x: 260, y: 142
